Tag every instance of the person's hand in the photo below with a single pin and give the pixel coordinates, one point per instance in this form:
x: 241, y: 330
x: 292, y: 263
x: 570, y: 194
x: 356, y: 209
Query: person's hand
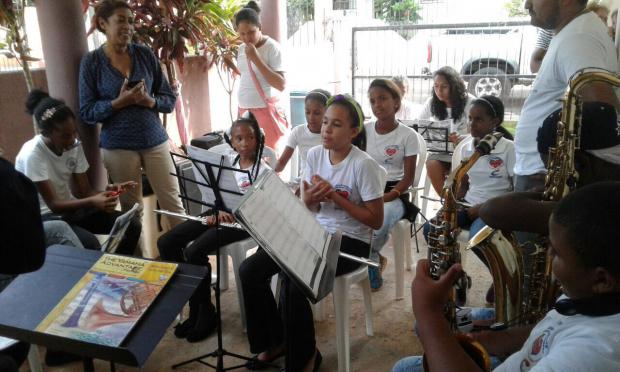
x: 119, y: 188
x: 318, y: 191
x: 473, y: 212
x: 429, y: 295
x: 251, y: 52
x: 226, y: 217
x: 106, y: 201
x: 130, y: 96
x: 454, y: 138
x: 145, y: 99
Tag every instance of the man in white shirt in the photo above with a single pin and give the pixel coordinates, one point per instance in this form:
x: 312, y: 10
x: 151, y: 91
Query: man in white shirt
x: 580, y: 41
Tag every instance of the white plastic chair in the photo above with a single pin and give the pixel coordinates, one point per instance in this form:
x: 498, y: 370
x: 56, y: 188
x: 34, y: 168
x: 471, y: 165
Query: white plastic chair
x: 401, y: 232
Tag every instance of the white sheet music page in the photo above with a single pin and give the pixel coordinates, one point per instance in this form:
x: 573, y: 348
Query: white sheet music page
x: 227, y: 180
x: 283, y: 225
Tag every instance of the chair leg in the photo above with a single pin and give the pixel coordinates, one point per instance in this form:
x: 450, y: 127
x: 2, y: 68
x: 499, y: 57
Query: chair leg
x: 408, y: 260
x: 427, y: 190
x: 342, y: 307
x: 365, y: 284
x: 223, y: 271
x: 238, y: 258
x: 399, y: 239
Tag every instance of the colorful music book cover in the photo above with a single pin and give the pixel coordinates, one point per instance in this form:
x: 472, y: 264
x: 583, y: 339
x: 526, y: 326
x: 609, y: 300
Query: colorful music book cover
x: 108, y: 300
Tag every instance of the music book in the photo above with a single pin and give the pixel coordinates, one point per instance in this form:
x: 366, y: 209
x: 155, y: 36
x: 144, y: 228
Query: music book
x: 107, y: 302
x: 436, y: 133
x: 283, y: 226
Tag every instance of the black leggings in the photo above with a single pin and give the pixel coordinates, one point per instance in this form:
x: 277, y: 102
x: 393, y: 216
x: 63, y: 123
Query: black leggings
x: 202, y: 240
x: 267, y: 327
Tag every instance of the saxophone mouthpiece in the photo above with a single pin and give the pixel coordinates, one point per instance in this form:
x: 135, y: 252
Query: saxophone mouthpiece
x: 487, y: 144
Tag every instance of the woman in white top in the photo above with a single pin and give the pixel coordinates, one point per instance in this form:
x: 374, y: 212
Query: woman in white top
x: 406, y: 110
x: 265, y: 57
x: 450, y: 100
x: 395, y: 147
x: 306, y: 136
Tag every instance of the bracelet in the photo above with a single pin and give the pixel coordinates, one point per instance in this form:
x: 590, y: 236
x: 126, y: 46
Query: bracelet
x: 397, y: 192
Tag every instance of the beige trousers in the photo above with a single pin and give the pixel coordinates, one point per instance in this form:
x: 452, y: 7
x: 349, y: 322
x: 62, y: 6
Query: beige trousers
x: 127, y: 165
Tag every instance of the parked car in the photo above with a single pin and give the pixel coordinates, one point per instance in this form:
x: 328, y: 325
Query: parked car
x: 491, y: 59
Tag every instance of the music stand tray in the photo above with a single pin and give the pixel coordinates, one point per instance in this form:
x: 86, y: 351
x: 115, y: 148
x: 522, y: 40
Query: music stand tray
x: 30, y: 297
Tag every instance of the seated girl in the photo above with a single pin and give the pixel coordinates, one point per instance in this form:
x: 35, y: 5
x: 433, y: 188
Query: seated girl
x: 450, y: 100
x: 54, y: 160
x: 306, y: 136
x: 492, y: 174
x: 395, y: 147
x: 192, y: 241
x: 344, y: 187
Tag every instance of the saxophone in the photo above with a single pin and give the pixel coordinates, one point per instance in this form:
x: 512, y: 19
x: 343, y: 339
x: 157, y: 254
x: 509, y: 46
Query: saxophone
x: 443, y: 248
x: 513, y: 304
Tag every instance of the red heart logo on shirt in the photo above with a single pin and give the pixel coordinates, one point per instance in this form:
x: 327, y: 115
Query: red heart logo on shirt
x: 391, y: 151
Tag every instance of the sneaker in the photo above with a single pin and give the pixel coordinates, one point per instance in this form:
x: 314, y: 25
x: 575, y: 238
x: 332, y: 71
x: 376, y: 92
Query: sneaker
x: 376, y: 281
x: 383, y: 261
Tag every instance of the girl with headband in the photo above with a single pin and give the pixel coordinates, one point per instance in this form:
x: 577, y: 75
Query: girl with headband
x: 304, y: 137
x: 492, y: 174
x: 344, y: 187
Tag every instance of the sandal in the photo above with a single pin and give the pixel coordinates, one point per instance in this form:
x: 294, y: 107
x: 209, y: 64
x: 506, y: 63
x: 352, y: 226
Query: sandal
x: 256, y: 364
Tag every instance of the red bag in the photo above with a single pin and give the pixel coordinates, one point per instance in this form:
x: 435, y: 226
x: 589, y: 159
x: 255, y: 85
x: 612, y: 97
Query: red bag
x: 271, y: 118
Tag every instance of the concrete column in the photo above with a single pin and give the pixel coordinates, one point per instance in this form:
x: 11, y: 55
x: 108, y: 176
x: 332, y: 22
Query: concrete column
x: 273, y: 19
x: 63, y: 38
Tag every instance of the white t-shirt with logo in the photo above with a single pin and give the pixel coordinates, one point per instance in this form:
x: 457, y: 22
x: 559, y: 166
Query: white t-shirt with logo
x: 582, y: 43
x: 244, y: 181
x: 39, y: 163
x: 271, y: 54
x: 304, y: 140
x: 491, y: 175
x: 358, y: 178
x: 569, y: 343
x: 390, y: 149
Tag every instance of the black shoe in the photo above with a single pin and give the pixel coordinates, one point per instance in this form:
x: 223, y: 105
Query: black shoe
x: 256, y: 364
x: 182, y: 329
x: 205, y: 323
x: 54, y: 358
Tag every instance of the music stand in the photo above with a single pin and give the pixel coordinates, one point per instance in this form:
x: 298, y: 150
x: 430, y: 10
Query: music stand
x: 224, y: 198
x: 435, y: 133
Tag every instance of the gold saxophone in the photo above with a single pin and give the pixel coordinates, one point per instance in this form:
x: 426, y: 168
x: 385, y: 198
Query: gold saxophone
x: 513, y: 304
x: 443, y: 248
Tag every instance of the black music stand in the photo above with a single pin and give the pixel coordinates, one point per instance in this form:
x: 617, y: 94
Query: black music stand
x: 211, y: 173
x: 30, y: 297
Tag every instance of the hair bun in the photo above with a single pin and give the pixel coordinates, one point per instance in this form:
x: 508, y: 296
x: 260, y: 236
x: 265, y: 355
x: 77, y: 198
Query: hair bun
x: 34, y: 99
x: 252, y: 5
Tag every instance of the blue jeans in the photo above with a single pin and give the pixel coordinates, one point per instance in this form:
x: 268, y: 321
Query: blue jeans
x: 59, y: 232
x: 414, y: 363
x: 393, y: 212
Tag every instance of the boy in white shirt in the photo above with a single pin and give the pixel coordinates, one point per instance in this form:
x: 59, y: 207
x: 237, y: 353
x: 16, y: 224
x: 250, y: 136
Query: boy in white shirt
x: 579, y: 334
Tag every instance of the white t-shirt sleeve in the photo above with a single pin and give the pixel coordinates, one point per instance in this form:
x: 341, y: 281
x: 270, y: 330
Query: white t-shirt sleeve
x: 412, y: 147
x: 293, y: 138
x: 371, y: 180
x: 36, y: 167
x: 275, y: 58
x: 579, y: 52
x: 311, y: 163
x: 82, y: 163
x: 426, y: 110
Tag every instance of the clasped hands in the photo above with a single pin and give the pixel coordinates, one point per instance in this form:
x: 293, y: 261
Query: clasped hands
x: 318, y: 191
x: 136, y: 95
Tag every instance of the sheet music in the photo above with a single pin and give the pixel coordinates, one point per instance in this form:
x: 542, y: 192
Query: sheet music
x: 286, y: 228
x: 436, y: 133
x: 227, y: 180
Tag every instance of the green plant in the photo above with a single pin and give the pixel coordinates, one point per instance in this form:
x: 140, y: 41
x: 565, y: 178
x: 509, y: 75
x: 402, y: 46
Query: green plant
x: 398, y: 11
x: 515, y: 8
x: 15, y: 44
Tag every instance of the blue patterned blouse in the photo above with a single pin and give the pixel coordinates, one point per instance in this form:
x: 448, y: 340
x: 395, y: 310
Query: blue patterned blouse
x: 132, y: 127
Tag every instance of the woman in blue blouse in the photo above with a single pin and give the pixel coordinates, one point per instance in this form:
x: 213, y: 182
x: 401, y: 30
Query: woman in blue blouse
x: 123, y: 88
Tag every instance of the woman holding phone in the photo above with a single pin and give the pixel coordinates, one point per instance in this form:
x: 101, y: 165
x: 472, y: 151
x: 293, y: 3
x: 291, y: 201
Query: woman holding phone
x: 122, y: 86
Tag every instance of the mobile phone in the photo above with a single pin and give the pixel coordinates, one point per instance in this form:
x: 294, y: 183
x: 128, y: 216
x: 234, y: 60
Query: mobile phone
x: 133, y: 83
